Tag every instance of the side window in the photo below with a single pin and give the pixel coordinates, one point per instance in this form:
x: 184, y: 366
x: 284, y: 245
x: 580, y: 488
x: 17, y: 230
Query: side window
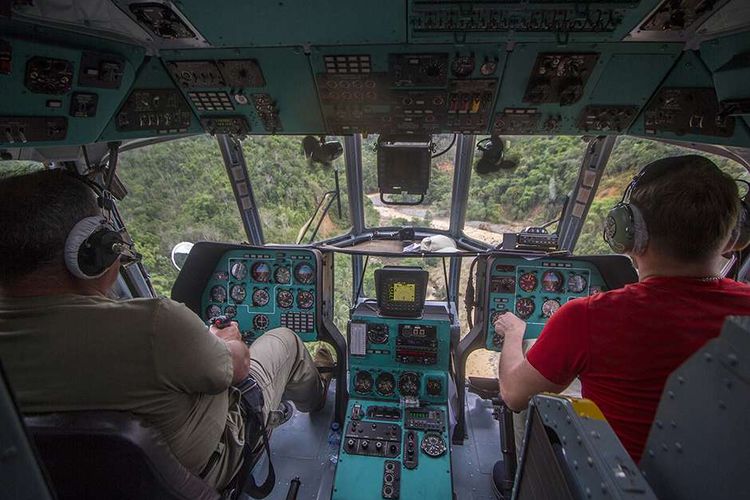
x: 177, y: 191
x: 628, y: 157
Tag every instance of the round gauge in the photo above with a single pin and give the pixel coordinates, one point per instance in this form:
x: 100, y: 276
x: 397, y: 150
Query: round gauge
x: 594, y: 290
x: 218, y: 294
x: 377, y: 333
x: 577, y: 283
x: 408, y: 384
x: 285, y: 299
x: 282, y: 275
x: 304, y: 273
x: 495, y: 315
x: 260, y: 297
x: 261, y: 272
x: 260, y: 322
x: 239, y: 270
x: 462, y: 66
x: 525, y: 307
x: 230, y: 312
x: 238, y: 293
x: 305, y: 299
x: 552, y: 281
x: 212, y: 311
x: 488, y: 67
x: 550, y: 307
x: 363, y: 382
x: 434, y: 386
x: 527, y: 282
x: 385, y: 384
x: 433, y: 444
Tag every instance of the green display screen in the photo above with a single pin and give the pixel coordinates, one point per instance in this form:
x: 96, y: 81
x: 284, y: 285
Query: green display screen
x: 403, y: 292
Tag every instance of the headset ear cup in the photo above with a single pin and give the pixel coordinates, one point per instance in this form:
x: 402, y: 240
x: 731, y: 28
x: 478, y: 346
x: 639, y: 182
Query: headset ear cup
x: 88, y: 248
x: 619, y: 229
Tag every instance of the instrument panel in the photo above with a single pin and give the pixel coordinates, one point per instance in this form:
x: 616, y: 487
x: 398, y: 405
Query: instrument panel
x: 390, y: 452
x: 534, y: 290
x: 266, y: 288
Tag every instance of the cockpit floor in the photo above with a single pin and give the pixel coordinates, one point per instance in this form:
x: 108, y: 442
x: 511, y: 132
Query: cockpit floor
x: 300, y: 449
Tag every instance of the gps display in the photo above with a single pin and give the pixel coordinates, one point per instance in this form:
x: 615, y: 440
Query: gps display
x: 401, y: 290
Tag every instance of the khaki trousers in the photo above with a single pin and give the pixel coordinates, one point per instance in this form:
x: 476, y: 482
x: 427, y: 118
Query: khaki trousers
x: 283, y: 368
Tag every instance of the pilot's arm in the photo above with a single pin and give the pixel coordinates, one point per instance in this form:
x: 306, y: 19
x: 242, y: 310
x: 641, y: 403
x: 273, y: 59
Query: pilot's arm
x: 189, y: 358
x: 552, y: 363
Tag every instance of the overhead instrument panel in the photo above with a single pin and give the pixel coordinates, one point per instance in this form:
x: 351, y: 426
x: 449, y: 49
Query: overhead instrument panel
x: 535, y: 290
x: 59, y: 92
x: 263, y: 289
x: 601, y: 20
x: 678, y: 15
x: 687, y: 111
x: 559, y: 78
x: 422, y: 92
x: 163, y: 111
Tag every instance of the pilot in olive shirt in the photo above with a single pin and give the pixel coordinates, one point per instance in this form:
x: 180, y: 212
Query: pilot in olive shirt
x: 66, y: 346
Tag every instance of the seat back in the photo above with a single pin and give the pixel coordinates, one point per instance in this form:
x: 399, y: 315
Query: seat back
x: 570, y: 452
x: 110, y: 455
x: 699, y: 445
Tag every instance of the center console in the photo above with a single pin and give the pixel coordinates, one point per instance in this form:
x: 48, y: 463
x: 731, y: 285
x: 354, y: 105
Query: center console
x: 395, y: 436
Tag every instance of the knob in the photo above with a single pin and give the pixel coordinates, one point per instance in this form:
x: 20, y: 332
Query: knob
x: 378, y: 445
x: 350, y: 443
x: 365, y: 443
x: 394, y: 448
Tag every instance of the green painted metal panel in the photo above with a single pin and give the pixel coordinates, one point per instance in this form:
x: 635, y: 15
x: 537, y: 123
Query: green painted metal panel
x: 289, y: 23
x: 17, y: 100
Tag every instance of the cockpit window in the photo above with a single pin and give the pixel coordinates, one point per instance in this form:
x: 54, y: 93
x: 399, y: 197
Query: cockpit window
x: 433, y: 212
x: 288, y: 188
x: 532, y: 193
x: 177, y: 191
x: 628, y: 157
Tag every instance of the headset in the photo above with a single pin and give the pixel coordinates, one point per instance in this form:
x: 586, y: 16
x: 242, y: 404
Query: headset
x: 94, y: 244
x: 625, y: 229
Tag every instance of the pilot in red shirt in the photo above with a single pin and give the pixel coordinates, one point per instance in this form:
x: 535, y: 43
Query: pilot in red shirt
x: 676, y: 219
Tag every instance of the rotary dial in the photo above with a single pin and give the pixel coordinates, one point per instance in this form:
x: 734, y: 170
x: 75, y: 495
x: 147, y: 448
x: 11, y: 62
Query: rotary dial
x: 260, y: 297
x: 285, y: 299
x: 239, y: 270
x: 525, y: 307
x: 385, y: 384
x: 238, y: 293
x: 363, y: 382
x: 408, y: 384
x: 528, y: 282
x: 305, y: 299
x: 433, y: 444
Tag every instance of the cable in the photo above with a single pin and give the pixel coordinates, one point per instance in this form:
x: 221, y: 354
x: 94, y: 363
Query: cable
x: 469, y: 296
x: 446, y: 149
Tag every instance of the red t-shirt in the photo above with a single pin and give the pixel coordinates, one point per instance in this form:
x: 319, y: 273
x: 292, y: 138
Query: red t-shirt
x: 623, y: 344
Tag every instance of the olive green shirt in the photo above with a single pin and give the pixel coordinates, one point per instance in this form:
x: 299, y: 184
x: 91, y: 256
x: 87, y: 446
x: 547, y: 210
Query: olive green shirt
x: 152, y: 357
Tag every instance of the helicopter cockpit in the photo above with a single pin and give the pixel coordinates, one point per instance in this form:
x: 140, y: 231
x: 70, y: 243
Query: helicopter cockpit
x: 385, y: 178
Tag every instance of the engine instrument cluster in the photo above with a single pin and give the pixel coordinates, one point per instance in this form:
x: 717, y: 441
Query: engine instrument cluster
x: 535, y: 290
x: 266, y: 289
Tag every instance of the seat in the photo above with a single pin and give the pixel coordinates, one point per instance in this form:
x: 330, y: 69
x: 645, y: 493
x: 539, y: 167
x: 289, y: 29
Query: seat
x: 570, y: 452
x: 113, y: 455
x: 699, y: 445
